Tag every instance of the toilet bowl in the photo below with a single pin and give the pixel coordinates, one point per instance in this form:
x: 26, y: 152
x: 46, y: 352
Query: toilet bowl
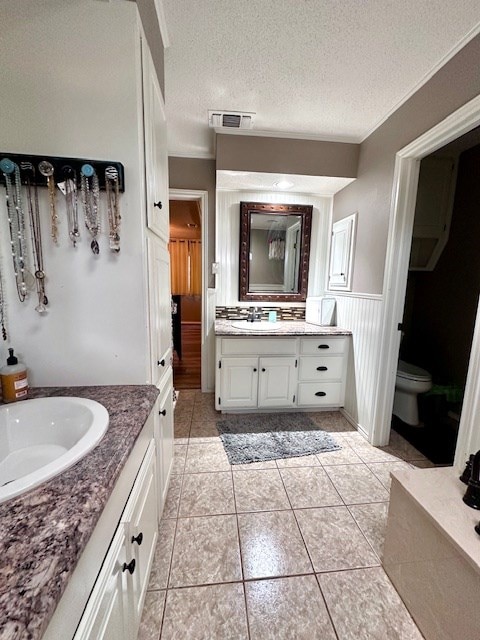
x: 410, y: 381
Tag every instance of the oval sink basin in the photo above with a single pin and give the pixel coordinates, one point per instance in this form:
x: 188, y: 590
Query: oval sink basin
x: 40, y: 438
x: 261, y: 325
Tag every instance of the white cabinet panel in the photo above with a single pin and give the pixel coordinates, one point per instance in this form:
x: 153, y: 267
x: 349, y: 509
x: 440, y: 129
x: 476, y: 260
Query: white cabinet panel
x: 106, y: 614
x: 238, y: 383
x: 341, y: 254
x: 322, y: 346
x: 141, y: 517
x: 160, y: 307
x: 318, y: 394
x: 259, y: 346
x: 277, y: 382
x: 164, y: 426
x: 156, y: 156
x: 318, y: 368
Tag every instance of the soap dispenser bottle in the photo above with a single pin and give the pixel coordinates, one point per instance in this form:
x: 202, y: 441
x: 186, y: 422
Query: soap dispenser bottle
x: 14, y: 379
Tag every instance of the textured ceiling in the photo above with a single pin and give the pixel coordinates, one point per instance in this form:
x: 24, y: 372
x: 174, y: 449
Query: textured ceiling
x: 330, y: 69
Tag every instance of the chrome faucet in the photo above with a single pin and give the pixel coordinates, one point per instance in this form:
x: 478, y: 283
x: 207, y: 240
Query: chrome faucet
x: 254, y: 313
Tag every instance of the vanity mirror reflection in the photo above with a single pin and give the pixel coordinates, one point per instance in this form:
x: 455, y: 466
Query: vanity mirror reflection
x: 274, y: 251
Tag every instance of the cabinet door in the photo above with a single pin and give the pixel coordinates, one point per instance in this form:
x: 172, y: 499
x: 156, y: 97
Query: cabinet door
x: 106, y: 615
x: 164, y: 438
x: 141, y: 524
x: 341, y: 254
x: 159, y: 307
x: 277, y: 382
x: 238, y: 383
x: 156, y: 155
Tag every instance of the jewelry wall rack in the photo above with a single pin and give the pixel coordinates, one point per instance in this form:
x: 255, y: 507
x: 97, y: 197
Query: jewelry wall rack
x: 59, y: 164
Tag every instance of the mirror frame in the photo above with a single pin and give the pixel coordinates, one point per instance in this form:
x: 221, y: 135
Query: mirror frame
x: 305, y: 213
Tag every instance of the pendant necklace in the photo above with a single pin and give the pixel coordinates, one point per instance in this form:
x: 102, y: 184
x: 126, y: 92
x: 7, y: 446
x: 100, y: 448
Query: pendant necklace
x: 90, y: 197
x: 47, y: 170
x: 113, y: 206
x: 34, y: 212
x: 71, y: 203
x: 16, y: 224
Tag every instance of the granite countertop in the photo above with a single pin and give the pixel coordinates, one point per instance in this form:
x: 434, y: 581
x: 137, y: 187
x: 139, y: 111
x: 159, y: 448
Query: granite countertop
x: 281, y: 328
x: 44, y: 531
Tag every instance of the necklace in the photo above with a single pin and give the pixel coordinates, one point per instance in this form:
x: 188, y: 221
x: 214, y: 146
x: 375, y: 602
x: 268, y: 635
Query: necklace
x: 71, y: 201
x: 47, y: 170
x: 34, y: 212
x: 113, y: 206
x: 90, y: 197
x: 16, y: 224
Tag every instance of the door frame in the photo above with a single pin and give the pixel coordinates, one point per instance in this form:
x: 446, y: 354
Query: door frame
x: 202, y: 198
x: 404, y: 195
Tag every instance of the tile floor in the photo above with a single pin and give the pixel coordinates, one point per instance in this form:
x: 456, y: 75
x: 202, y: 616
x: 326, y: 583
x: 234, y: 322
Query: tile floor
x: 288, y: 549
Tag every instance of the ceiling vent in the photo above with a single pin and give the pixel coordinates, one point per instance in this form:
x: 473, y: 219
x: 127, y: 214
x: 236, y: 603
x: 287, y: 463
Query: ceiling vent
x: 230, y: 119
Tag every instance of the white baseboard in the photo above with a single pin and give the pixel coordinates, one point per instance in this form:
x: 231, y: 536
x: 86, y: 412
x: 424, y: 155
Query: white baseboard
x: 354, y: 423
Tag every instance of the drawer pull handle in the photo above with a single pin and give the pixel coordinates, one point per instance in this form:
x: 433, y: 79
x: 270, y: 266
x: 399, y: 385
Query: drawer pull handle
x: 161, y: 363
x: 130, y: 567
x: 162, y: 413
x: 158, y: 204
x: 254, y: 370
x: 322, y: 368
x: 324, y: 346
x: 263, y: 369
x: 321, y: 394
x: 138, y: 539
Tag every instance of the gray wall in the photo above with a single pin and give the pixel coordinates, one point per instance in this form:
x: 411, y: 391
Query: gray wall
x: 452, y: 86
x: 286, y: 155
x: 197, y: 174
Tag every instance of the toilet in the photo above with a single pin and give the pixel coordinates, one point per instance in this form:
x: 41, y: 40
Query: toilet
x: 410, y: 381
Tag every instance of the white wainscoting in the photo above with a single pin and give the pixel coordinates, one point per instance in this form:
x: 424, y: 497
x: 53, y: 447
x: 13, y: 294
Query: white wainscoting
x: 208, y: 350
x: 228, y: 233
x: 362, y: 315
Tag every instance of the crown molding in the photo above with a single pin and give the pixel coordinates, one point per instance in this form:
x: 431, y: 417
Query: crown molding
x: 288, y: 134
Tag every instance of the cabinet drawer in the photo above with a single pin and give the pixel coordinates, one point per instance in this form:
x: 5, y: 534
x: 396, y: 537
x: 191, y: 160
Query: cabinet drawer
x: 319, y: 368
x: 320, y: 393
x: 323, y: 346
x: 259, y: 346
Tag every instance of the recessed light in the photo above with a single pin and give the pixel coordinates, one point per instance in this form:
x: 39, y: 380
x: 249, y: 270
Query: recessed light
x: 283, y: 184
x: 192, y: 225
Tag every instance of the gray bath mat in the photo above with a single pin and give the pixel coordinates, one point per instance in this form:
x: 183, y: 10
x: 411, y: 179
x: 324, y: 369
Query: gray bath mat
x: 259, y: 437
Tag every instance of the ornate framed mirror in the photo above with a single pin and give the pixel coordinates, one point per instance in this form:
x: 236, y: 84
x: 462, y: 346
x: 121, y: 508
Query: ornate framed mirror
x: 274, y: 251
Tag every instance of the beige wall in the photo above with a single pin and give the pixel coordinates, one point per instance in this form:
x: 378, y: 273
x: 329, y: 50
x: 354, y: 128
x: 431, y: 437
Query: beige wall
x: 148, y: 15
x: 197, y: 174
x: 452, y: 86
x: 286, y: 155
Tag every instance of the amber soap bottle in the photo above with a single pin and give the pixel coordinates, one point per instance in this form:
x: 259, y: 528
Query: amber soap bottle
x: 14, y: 379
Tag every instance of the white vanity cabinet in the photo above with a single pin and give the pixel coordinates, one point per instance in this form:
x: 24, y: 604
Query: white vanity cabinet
x: 105, y: 595
x: 280, y: 372
x: 115, y: 605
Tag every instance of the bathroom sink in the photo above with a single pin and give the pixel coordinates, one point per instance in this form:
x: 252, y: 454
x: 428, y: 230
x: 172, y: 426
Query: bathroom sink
x: 40, y: 438
x: 259, y: 325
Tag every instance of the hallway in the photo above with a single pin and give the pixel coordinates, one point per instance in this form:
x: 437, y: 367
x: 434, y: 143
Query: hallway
x: 247, y: 552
